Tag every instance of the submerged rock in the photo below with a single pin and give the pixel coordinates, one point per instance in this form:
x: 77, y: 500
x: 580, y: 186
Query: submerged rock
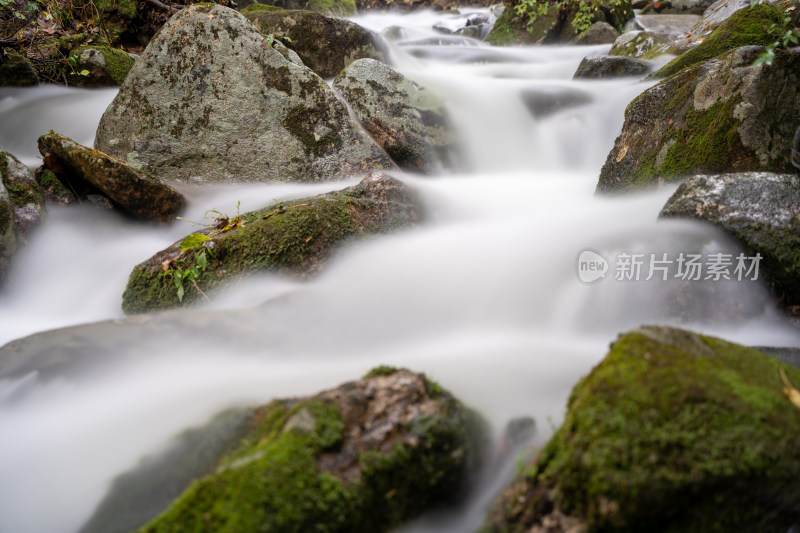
x: 326, y: 45
x: 604, y: 67
x: 745, y: 27
x: 134, y: 192
x: 295, y: 238
x: 211, y: 100
x: 406, y: 120
x: 724, y: 115
x: 559, y: 21
x: 21, y: 208
x: 17, y: 71
x: 672, y: 431
x: 759, y: 210
x: 103, y: 66
x: 366, y: 456
x: 543, y: 101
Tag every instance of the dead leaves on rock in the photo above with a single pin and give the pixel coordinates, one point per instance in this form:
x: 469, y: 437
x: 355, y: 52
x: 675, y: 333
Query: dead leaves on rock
x: 792, y: 393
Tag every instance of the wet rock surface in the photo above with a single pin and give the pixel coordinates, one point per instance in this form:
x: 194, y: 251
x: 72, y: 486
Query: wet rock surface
x: 605, y: 67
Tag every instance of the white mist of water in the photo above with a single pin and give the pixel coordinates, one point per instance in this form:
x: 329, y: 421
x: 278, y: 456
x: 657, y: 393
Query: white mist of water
x: 482, y: 296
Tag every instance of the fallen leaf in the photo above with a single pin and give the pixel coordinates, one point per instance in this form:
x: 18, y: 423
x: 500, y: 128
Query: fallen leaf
x: 790, y: 392
x: 622, y: 153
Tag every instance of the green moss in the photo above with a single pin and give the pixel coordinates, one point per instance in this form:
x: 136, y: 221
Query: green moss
x: 17, y: 71
x: 298, y: 124
x: 260, y: 7
x: 126, y: 8
x: 691, y: 435
x: 117, y: 65
x: 749, y: 26
x: 334, y: 7
x: 381, y: 371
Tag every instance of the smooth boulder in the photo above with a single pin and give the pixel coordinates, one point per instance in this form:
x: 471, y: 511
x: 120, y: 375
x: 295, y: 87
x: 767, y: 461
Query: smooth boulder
x: 605, y: 67
x: 293, y: 238
x: 406, y: 119
x: 134, y: 192
x: 672, y: 431
x: 21, y: 208
x: 213, y: 100
x: 365, y: 456
x: 757, y: 209
x: 326, y: 45
x: 724, y: 115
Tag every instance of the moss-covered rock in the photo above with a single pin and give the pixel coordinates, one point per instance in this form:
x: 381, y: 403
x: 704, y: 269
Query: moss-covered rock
x: 604, y: 67
x: 598, y: 33
x: 339, y: 8
x: 724, y: 115
x: 365, y: 456
x: 754, y: 26
x: 671, y: 432
x: 21, y: 207
x: 757, y: 209
x: 555, y: 21
x: 405, y: 119
x: 104, y: 66
x: 132, y: 191
x: 53, y: 188
x: 17, y: 71
x: 640, y: 44
x: 294, y: 238
x: 118, y: 19
x: 326, y: 45
x: 211, y: 100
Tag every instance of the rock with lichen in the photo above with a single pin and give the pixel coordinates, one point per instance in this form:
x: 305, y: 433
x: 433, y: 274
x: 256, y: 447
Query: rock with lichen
x: 640, y: 45
x: 723, y: 115
x: 325, y: 44
x: 365, y: 456
x: 98, y: 66
x: 293, y: 238
x: 134, y: 192
x: 555, y: 21
x: 759, y: 210
x: 17, y: 71
x: 21, y: 208
x: 405, y: 119
x: 672, y: 431
x: 211, y: 99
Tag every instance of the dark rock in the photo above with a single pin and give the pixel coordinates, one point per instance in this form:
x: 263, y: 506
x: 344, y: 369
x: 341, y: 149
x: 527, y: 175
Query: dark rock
x: 21, y: 208
x: 598, y: 33
x: 211, y: 100
x: 724, y: 115
x: 17, y: 71
x: 365, y: 456
x: 790, y: 356
x: 406, y: 120
x: 672, y: 431
x: 294, y: 238
x: 134, y: 192
x: 757, y: 209
x: 326, y: 45
x: 745, y: 27
x: 646, y: 45
x: 338, y: 8
x: 604, y: 67
x: 103, y: 66
x: 52, y: 187
x: 558, y: 24
x: 543, y: 102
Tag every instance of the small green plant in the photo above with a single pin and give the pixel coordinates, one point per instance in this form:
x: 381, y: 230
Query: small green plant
x: 786, y: 37
x: 271, y: 39
x: 584, y: 16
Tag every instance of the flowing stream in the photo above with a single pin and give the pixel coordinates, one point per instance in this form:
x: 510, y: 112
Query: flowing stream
x: 483, y: 296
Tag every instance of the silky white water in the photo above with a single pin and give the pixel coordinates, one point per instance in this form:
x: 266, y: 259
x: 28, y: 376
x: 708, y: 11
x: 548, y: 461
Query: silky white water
x: 483, y: 295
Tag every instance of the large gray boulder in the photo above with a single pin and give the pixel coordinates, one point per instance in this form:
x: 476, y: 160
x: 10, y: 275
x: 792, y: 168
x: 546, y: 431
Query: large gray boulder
x: 325, y: 44
x: 134, y: 192
x: 758, y: 209
x: 21, y: 207
x: 407, y: 120
x: 211, y: 99
x: 724, y: 115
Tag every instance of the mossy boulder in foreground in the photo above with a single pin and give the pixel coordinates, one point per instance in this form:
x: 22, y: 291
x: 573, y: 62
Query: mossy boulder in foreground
x: 134, y: 192
x: 294, y: 238
x: 21, y: 207
x: 724, y: 115
x: 211, y: 99
x: 325, y: 44
x: 671, y: 432
x: 555, y: 21
x: 17, y: 71
x: 365, y: 456
x: 756, y: 208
